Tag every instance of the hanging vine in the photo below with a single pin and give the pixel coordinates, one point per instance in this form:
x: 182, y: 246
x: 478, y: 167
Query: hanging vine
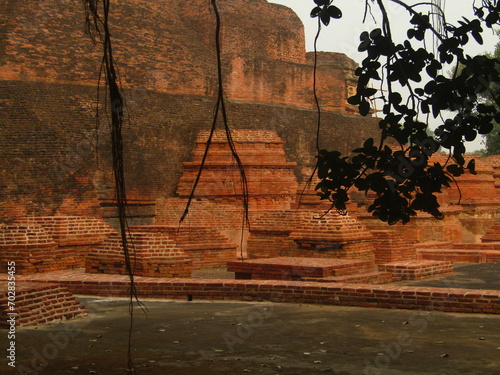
x: 220, y: 108
x: 97, y: 20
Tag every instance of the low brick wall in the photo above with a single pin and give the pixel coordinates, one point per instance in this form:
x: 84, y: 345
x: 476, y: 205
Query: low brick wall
x: 38, y: 303
x: 415, y: 270
x: 384, y: 296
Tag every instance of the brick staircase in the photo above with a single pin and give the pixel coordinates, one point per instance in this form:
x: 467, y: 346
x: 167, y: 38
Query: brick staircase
x: 309, y: 269
x: 38, y: 303
x: 206, y: 247
x: 156, y: 255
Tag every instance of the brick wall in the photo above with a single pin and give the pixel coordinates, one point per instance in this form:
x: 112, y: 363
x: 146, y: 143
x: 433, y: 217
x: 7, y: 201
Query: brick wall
x: 152, y: 253
x: 55, y: 160
x: 71, y: 230
x: 33, y: 250
x: 38, y: 303
x: 391, y: 246
x: 382, y: 296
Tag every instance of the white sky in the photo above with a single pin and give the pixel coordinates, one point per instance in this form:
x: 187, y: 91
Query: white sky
x: 342, y: 35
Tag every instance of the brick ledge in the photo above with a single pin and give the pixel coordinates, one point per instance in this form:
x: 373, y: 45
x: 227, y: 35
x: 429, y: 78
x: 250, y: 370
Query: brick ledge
x: 341, y: 294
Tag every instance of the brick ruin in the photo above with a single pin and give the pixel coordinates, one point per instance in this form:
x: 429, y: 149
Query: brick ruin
x: 57, y: 207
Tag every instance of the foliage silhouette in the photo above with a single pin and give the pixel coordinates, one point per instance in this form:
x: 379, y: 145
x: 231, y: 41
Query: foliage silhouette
x: 405, y: 179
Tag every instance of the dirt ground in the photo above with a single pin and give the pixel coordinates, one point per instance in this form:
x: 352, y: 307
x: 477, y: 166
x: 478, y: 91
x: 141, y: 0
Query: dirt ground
x: 190, y: 338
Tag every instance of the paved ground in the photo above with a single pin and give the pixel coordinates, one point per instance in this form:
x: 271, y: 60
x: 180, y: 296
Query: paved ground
x: 191, y: 338
x: 466, y: 276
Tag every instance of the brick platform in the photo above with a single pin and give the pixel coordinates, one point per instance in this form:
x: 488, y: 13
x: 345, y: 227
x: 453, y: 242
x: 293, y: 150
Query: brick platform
x: 291, y: 268
x: 460, y: 252
x: 38, y: 303
x: 416, y: 270
x: 382, y: 296
x: 391, y: 246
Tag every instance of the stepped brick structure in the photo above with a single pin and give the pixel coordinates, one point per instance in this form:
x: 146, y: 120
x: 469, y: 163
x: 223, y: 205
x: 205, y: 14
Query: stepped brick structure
x: 206, y: 247
x: 38, y: 303
x: 152, y: 253
x: 33, y: 250
x: 270, y: 178
x: 304, y: 233
x: 167, y: 63
x: 493, y: 234
x: 71, y: 230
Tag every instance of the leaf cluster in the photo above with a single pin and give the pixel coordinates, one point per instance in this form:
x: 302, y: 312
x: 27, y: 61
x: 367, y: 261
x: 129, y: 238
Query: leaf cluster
x: 406, y: 181
x: 325, y: 11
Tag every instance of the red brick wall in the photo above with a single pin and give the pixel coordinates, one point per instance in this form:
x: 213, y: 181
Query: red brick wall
x: 34, y: 250
x: 270, y: 178
x: 38, y: 303
x: 382, y: 296
x: 391, y: 246
x: 152, y: 253
x: 71, y: 230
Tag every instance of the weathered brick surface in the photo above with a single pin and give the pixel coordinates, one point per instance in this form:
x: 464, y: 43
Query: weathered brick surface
x: 391, y: 246
x: 167, y: 64
x: 71, y: 230
x: 415, y: 270
x: 382, y: 296
x: 38, y: 303
x: 152, y: 253
x: 204, y: 246
x: 33, y: 250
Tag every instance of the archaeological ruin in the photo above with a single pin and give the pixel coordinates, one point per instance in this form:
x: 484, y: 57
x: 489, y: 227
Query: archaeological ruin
x: 58, y: 219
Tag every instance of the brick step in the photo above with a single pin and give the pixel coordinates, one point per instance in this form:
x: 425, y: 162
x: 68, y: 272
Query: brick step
x: 38, y: 303
x: 203, y: 245
x: 417, y: 269
x: 477, y: 246
x: 459, y: 255
x: 206, y: 247
x: 297, y: 268
x: 192, y: 237
x: 364, y: 278
x: 492, y: 256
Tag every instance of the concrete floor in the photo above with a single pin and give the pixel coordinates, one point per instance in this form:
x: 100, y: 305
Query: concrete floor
x: 190, y: 338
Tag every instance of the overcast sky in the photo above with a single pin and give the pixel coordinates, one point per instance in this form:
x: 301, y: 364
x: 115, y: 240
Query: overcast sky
x: 343, y: 35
